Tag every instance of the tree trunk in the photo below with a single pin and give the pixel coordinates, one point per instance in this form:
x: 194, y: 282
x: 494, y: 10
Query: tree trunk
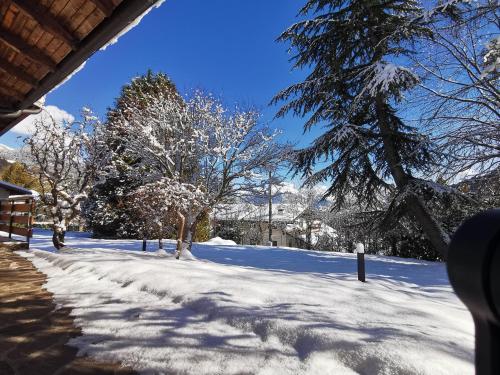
x: 160, y: 237
x: 180, y: 233
x: 58, y: 229
x: 190, y: 230
x: 414, y: 204
x: 270, y: 218
x: 394, y: 246
x: 191, y: 225
x: 308, y: 236
x: 430, y: 225
x: 193, y: 233
x: 58, y: 238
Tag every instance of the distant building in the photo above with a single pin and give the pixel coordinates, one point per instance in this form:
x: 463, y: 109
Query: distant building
x: 289, y: 225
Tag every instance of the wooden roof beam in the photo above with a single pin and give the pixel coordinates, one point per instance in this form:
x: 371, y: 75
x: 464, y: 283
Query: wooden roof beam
x: 105, y: 6
x: 46, y: 21
x: 16, y: 93
x: 7, y: 67
x: 11, y: 92
x: 24, y: 48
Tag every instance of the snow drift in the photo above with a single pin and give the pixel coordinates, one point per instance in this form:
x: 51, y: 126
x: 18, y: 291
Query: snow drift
x: 220, y: 241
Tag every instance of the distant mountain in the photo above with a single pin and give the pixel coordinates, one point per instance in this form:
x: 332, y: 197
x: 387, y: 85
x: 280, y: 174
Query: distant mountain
x: 5, y: 148
x: 3, y: 163
x: 7, y: 155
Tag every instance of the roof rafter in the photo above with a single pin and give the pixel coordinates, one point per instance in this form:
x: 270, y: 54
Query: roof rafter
x: 98, y: 33
x: 11, y: 92
x: 6, y: 66
x: 105, y: 6
x: 46, y: 21
x: 24, y: 48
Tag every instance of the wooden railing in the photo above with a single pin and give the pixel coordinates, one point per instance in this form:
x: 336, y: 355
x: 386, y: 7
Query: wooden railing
x: 16, y: 215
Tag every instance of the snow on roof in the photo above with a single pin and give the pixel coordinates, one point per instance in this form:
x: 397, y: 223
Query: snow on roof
x: 19, y: 190
x: 131, y: 25
x: 284, y: 212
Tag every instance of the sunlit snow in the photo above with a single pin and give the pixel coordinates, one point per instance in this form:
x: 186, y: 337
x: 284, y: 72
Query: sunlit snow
x: 256, y: 310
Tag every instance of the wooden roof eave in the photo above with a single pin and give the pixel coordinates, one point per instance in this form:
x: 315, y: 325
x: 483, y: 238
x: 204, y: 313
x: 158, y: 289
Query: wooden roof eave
x: 119, y: 19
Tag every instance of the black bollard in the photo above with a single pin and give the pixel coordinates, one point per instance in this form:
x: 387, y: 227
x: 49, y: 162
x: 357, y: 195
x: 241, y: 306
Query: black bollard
x: 474, y: 272
x: 144, y: 242
x: 360, y: 250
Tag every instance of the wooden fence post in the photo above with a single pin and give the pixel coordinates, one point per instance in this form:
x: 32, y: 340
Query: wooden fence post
x: 30, y: 220
x: 180, y: 234
x: 11, y: 218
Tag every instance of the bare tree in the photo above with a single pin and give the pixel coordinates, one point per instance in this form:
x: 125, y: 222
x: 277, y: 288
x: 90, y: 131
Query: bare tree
x: 460, y: 96
x: 65, y: 158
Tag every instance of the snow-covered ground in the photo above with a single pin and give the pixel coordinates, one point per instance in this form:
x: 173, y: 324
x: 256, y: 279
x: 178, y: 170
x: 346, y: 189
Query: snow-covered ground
x: 257, y: 310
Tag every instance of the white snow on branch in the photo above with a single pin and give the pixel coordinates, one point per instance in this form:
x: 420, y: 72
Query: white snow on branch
x: 491, y: 58
x: 383, y: 77
x: 442, y: 7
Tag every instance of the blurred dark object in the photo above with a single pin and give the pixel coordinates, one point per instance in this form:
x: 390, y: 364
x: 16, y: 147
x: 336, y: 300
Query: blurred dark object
x: 474, y: 271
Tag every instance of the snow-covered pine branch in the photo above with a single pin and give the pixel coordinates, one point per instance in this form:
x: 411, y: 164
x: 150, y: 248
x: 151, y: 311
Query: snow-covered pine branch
x: 387, y: 78
x: 354, y: 52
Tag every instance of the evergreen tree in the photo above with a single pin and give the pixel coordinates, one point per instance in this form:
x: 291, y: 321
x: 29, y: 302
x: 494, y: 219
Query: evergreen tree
x: 106, y: 210
x: 355, y: 85
x: 202, y: 232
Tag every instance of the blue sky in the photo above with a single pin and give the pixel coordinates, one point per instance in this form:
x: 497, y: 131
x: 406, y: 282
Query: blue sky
x: 227, y: 47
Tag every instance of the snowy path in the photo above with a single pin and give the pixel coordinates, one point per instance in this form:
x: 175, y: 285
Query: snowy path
x: 258, y: 310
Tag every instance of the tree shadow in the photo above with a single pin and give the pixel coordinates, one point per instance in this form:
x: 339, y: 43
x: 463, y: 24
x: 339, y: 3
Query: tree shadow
x: 183, y: 330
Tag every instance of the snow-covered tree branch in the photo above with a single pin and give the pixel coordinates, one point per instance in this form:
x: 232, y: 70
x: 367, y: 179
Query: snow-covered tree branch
x: 195, y: 141
x: 66, y: 157
x: 459, y: 92
x: 159, y: 205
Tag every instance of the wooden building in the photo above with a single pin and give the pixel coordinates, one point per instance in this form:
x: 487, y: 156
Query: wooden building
x: 17, y: 207
x: 7, y: 190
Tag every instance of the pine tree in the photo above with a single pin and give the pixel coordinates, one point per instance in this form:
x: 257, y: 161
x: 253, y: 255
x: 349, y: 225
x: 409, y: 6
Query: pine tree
x: 202, y: 232
x: 106, y: 210
x: 353, y: 49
